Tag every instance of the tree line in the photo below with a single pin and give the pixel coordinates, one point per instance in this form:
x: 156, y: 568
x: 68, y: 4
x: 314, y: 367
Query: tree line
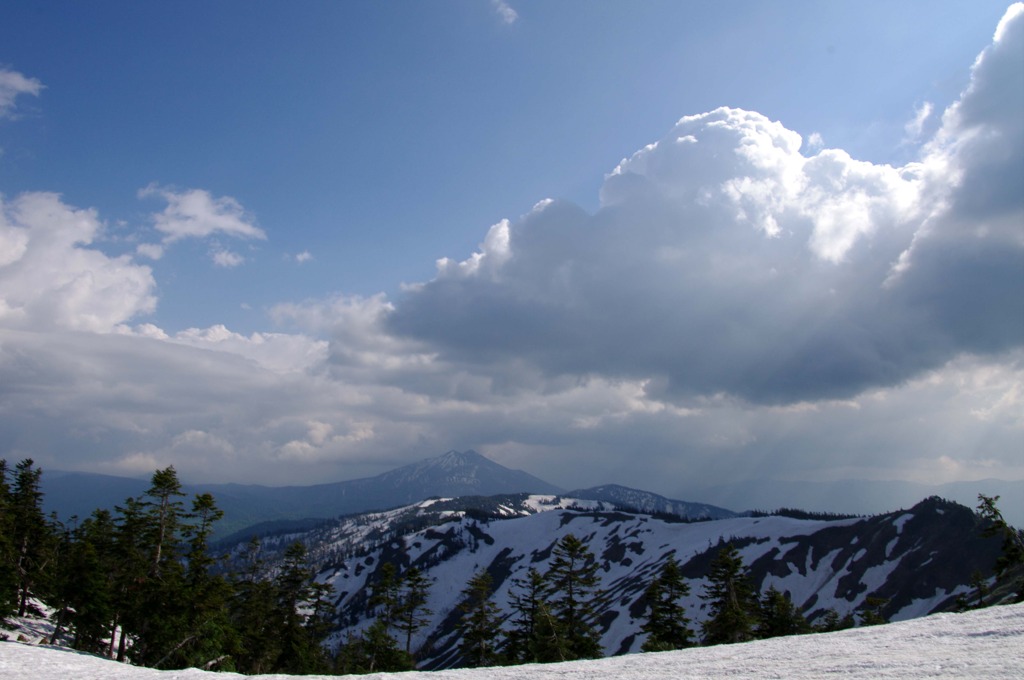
x: 140, y: 585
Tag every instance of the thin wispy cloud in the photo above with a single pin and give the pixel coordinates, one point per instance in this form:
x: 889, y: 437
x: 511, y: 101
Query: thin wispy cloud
x: 12, y: 85
x: 195, y: 213
x: 505, y: 11
x: 915, y: 127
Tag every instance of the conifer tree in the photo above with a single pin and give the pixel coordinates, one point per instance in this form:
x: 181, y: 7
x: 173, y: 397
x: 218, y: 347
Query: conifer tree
x: 253, y: 615
x: 300, y: 652
x: 479, y: 621
x: 164, y: 509
x: 571, y: 595
x: 778, y: 616
x: 871, y: 611
x: 526, y: 597
x: 381, y: 648
x: 831, y: 622
x: 131, y: 560
x: 667, y: 627
x: 206, y: 637
x: 88, y: 576
x: 8, y: 570
x: 412, y: 613
x: 31, y: 535
x: 382, y: 652
x: 161, y: 619
x: 733, y: 603
x: 1012, y: 556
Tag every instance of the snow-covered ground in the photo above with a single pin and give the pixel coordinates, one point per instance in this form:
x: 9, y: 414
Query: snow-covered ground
x: 986, y: 644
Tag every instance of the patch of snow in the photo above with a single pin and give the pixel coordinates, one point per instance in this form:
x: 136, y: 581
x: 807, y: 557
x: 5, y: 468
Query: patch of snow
x: 984, y: 644
x: 901, y: 520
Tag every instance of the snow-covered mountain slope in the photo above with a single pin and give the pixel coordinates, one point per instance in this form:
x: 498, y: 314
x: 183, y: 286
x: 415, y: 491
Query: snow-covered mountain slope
x: 645, y: 501
x: 987, y: 644
x: 919, y: 559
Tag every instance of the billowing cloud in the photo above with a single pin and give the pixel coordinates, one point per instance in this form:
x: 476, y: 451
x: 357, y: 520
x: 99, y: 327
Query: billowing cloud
x: 51, y: 277
x: 723, y: 260
x: 12, y: 85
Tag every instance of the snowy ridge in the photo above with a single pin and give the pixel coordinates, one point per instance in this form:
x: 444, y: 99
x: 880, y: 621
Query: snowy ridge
x: 919, y: 560
x: 980, y: 645
x: 645, y: 501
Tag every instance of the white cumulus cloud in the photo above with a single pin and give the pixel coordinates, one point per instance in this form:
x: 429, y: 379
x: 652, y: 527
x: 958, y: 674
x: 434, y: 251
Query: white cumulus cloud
x: 51, y: 275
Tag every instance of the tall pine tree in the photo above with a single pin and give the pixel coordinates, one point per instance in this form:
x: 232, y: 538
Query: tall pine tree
x: 667, y: 627
x: 570, y: 586
x: 732, y: 600
x: 778, y: 616
x: 479, y: 621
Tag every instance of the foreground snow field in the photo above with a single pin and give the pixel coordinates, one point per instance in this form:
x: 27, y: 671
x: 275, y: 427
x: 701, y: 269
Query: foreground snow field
x: 986, y: 644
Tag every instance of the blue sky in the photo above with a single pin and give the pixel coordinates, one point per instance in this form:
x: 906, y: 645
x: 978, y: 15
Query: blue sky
x: 269, y: 188
x: 379, y: 137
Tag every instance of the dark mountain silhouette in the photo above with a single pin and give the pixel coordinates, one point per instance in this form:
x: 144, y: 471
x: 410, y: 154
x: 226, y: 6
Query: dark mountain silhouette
x: 452, y: 474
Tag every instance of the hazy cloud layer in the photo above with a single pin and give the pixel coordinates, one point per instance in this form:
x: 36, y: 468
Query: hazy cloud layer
x: 737, y: 303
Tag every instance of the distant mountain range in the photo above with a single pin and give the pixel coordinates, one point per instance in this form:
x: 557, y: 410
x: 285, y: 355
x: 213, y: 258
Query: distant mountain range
x: 859, y: 497
x: 918, y: 560
x: 262, y: 509
x: 451, y: 474
x: 454, y: 474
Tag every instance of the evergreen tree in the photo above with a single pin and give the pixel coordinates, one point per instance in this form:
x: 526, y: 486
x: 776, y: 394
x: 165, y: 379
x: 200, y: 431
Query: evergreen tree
x: 32, y: 537
x: 1012, y: 556
x: 526, y: 601
x: 778, y: 616
x: 667, y: 626
x: 8, y: 569
x: 479, y: 621
x: 381, y: 648
x: 382, y: 652
x: 161, y: 625
x: 253, y: 612
x: 831, y: 622
x: 206, y: 638
x: 412, y: 611
x: 571, y: 595
x: 301, y: 652
x: 131, y: 564
x: 88, y: 577
x: 164, y: 510
x: 733, y: 603
x: 871, y: 611
x: 980, y: 588
x: 385, y: 598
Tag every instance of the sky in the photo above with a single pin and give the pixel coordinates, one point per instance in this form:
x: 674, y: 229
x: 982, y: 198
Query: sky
x: 653, y: 243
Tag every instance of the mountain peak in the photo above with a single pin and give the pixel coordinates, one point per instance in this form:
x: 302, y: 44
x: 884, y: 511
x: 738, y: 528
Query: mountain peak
x: 457, y: 458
